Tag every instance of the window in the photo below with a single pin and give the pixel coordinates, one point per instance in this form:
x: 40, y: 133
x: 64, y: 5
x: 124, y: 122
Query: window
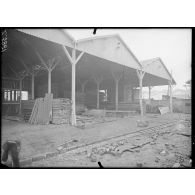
x: 24, y: 95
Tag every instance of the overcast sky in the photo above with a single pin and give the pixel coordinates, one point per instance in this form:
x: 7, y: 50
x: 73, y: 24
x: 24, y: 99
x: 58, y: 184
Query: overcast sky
x: 173, y: 46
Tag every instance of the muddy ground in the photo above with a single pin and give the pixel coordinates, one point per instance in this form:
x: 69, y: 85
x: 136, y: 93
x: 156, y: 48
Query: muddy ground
x: 169, y: 147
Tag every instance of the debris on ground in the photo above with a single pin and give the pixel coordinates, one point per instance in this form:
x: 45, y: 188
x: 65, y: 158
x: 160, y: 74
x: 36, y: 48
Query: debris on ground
x: 176, y: 165
x: 184, y: 134
x: 161, y: 147
x: 142, y: 123
x: 139, y: 165
x: 164, y: 110
x: 163, y: 152
x: 66, y: 144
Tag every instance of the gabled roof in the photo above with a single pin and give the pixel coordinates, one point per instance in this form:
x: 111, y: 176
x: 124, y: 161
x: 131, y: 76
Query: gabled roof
x: 105, y: 47
x: 59, y: 36
x: 155, y: 66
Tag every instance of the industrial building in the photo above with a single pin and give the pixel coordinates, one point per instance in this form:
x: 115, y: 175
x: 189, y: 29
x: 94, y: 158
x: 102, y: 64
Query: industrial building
x: 100, y: 73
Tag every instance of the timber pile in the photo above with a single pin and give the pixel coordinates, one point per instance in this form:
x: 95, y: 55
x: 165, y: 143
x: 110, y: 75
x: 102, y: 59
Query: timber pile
x: 27, y: 106
x: 61, y: 109
x: 42, y: 110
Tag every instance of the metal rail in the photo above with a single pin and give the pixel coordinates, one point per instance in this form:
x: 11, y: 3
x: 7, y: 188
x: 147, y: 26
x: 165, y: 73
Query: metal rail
x: 125, y: 136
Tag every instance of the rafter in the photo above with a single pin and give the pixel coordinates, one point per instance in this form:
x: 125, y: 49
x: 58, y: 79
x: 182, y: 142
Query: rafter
x: 67, y: 54
x: 117, y: 75
x: 56, y: 63
x: 79, y: 57
x: 41, y: 59
x: 25, y: 66
x: 16, y: 74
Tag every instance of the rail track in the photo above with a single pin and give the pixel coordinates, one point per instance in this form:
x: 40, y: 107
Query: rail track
x: 154, y: 129
x: 157, y: 129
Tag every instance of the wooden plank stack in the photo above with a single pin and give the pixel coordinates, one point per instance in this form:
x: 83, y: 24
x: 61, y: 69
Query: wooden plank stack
x: 35, y: 111
x: 42, y: 110
x: 46, y: 110
x: 61, y: 110
x: 27, y: 106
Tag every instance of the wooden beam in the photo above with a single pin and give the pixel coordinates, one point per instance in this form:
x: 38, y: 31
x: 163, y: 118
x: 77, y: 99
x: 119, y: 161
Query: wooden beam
x: 16, y: 74
x: 49, y: 81
x: 51, y: 62
x: 10, y: 78
x: 25, y: 66
x: 140, y: 75
x: 73, y: 85
x: 73, y: 62
x: 98, y: 79
x: 98, y: 95
x: 32, y: 86
x: 149, y: 92
x: 83, y: 86
x: 68, y: 55
x: 116, y: 76
x: 79, y: 57
x: 41, y: 59
x: 53, y: 66
x: 20, y: 108
x: 171, y: 93
x: 171, y: 98
x: 116, y: 94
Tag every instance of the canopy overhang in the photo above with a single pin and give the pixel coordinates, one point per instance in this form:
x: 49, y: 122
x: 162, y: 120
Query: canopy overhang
x: 104, y: 56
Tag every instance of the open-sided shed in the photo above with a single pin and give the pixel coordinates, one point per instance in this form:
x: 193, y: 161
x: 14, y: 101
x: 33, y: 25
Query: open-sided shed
x: 44, y: 56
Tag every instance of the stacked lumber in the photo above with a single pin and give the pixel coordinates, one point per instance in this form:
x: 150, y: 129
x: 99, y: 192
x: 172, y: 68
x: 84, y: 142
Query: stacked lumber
x: 42, y: 110
x: 36, y: 111
x: 27, y: 106
x: 61, y: 110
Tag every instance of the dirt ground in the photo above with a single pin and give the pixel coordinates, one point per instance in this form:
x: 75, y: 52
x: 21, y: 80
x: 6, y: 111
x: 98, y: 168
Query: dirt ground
x: 167, y: 148
x: 163, y: 151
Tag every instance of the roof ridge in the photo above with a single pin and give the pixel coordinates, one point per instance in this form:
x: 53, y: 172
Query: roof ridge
x: 96, y: 37
x: 157, y: 58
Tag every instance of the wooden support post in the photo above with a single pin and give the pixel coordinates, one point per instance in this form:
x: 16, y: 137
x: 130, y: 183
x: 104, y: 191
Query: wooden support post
x: 32, y: 86
x: 116, y: 94
x: 73, y: 60
x: 20, y: 109
x: 168, y: 90
x: 149, y: 92
x: 117, y: 76
x: 49, y: 81
x: 83, y: 86
x: 98, y: 97
x: 140, y: 97
x: 140, y: 75
x: 98, y: 79
x: 132, y: 94
x: 73, y: 86
x: 171, y: 98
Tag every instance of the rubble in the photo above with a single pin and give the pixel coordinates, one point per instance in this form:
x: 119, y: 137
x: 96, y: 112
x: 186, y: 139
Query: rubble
x: 142, y: 123
x: 176, y: 165
x: 139, y: 165
x: 163, y: 152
